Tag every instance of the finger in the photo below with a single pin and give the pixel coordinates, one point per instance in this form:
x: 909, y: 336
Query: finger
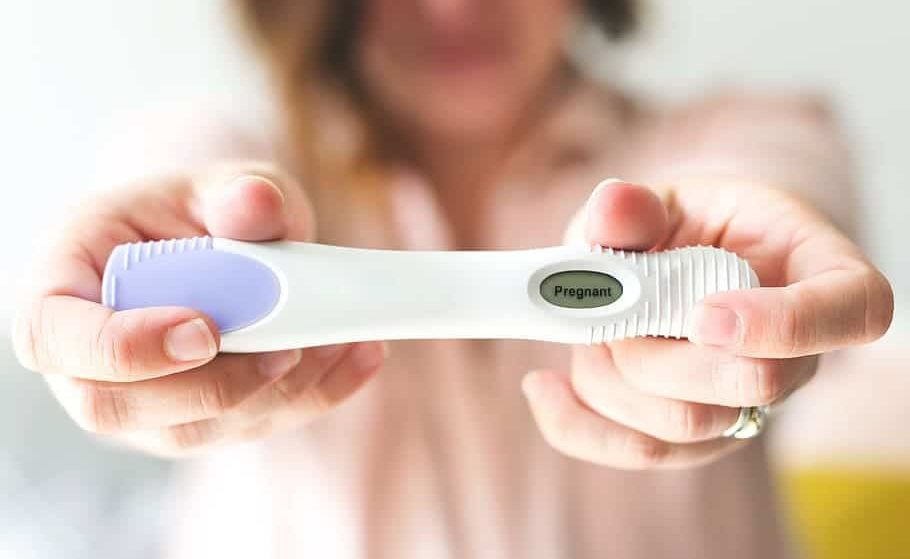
x: 354, y: 367
x: 832, y: 310
x: 254, y: 202
x: 74, y: 337
x: 312, y: 387
x: 577, y: 431
x: 623, y: 215
x: 209, y: 391
x: 300, y: 396
x: 599, y: 385
x: 684, y: 371
x: 192, y: 439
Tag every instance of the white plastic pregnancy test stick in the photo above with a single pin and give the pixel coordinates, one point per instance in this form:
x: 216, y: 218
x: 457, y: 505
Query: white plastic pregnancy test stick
x: 280, y: 295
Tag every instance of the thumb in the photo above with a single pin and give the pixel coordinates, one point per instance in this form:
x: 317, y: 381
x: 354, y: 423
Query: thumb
x: 621, y: 215
x: 254, y: 203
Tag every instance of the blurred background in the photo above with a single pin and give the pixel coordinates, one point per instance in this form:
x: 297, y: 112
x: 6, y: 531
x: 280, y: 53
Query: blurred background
x: 76, y: 72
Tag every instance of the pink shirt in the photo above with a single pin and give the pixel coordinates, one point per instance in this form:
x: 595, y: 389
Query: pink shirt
x: 439, y: 455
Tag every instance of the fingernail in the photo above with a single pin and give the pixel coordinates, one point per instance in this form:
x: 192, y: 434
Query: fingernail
x: 277, y: 363
x: 716, y: 326
x: 602, y: 185
x: 596, y: 192
x: 190, y: 341
x: 327, y: 354
x: 529, y: 385
x: 244, y: 180
x: 367, y: 356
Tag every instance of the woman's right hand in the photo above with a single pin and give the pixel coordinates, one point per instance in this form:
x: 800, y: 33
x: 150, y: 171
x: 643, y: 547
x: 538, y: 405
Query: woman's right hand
x: 153, y: 377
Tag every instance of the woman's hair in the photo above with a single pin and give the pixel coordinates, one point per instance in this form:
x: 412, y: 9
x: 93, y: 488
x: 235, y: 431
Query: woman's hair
x: 308, y: 45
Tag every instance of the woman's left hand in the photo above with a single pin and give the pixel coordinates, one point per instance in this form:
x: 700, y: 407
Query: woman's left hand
x: 656, y: 402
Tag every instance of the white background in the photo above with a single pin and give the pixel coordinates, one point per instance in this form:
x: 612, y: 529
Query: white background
x: 72, y: 71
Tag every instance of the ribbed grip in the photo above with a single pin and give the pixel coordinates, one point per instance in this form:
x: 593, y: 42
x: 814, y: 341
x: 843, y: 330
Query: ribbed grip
x: 233, y: 289
x: 674, y: 281
x: 134, y: 253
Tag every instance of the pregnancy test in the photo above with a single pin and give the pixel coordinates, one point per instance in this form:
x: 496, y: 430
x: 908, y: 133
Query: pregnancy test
x: 267, y: 296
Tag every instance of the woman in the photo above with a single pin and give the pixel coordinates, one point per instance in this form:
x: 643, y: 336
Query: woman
x: 459, y: 124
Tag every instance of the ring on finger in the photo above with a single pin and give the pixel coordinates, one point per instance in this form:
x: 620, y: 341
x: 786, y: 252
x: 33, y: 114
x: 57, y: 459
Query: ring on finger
x: 749, y: 424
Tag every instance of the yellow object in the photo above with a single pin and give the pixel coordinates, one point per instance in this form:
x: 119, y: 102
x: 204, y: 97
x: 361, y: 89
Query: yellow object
x: 850, y: 513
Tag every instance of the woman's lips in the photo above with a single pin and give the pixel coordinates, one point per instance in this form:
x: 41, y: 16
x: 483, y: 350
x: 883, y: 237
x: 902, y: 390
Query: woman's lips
x: 464, y: 55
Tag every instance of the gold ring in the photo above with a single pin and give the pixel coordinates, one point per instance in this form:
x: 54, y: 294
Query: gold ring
x: 749, y: 424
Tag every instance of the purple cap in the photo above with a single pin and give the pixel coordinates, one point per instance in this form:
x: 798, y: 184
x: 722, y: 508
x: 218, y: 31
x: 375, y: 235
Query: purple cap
x: 233, y: 289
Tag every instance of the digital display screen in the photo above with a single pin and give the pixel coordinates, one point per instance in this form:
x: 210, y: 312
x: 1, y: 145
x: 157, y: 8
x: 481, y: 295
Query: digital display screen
x: 580, y: 289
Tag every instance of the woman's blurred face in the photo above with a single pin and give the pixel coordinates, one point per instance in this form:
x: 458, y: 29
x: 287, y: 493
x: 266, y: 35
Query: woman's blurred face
x: 460, y: 69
